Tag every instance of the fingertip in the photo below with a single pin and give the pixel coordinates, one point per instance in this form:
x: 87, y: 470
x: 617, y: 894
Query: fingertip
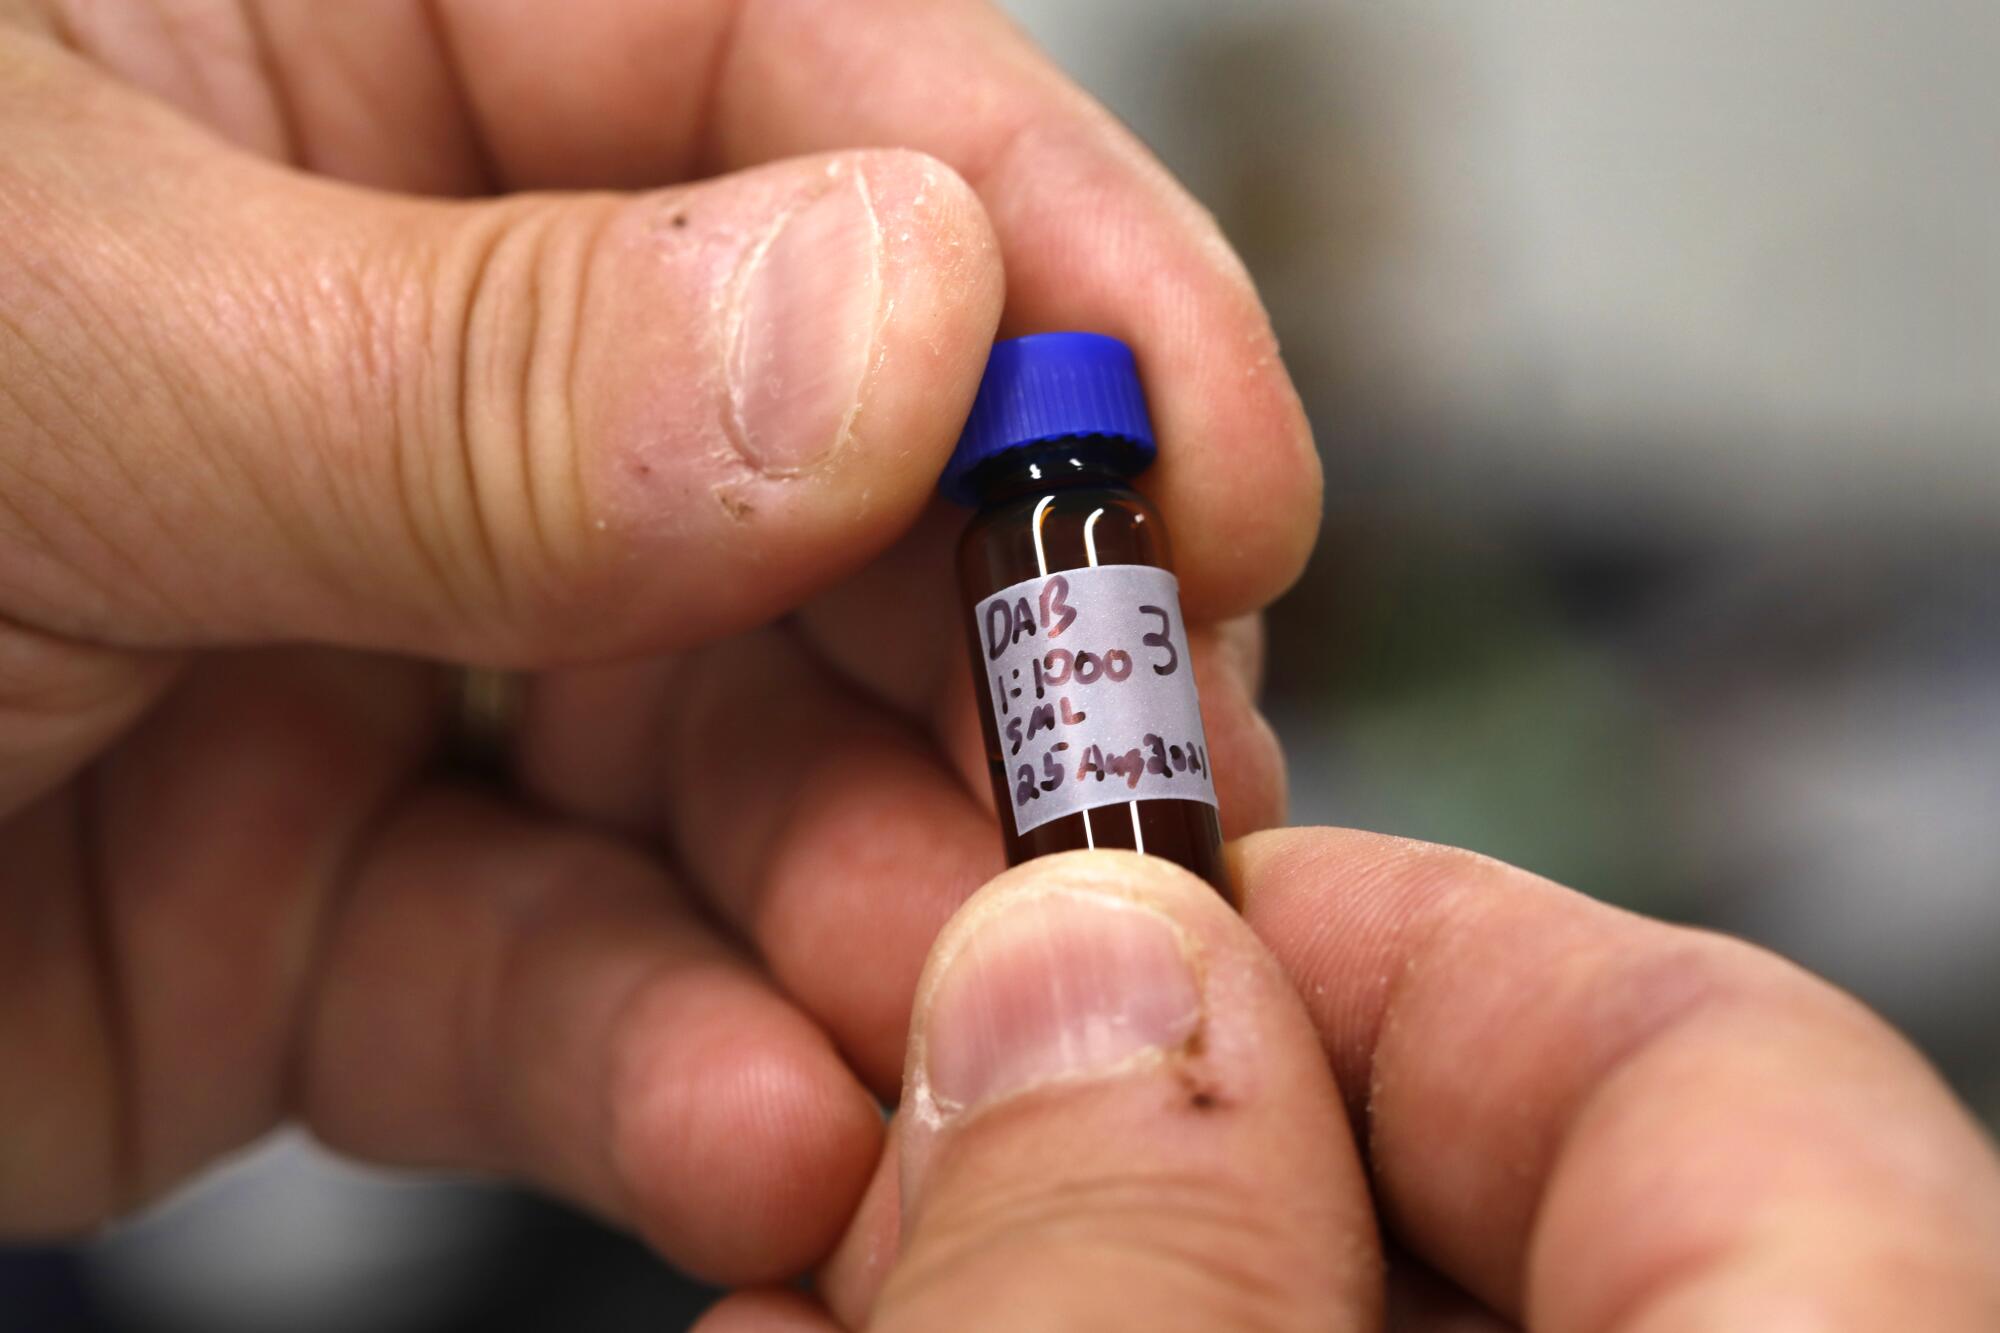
x: 946, y: 276
x: 1062, y: 969
x: 1257, y: 795
x: 874, y: 818
x: 1099, y: 236
x: 758, y: 1108
x: 771, y: 369
x: 1049, y: 976
x: 942, y: 290
x: 1239, y: 478
x: 1250, y: 763
x: 1106, y: 1068
x: 1070, y: 968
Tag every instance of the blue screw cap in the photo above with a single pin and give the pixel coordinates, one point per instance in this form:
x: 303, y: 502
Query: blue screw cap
x: 1046, y: 387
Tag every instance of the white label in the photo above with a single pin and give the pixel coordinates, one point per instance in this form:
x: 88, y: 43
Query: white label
x: 1092, y: 692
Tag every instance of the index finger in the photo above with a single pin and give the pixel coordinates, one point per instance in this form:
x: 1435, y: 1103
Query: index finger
x: 1599, y: 1122
x: 1094, y: 233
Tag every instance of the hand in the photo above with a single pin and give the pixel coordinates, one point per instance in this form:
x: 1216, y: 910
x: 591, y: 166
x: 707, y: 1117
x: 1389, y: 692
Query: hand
x: 1119, y: 1114
x: 262, y: 383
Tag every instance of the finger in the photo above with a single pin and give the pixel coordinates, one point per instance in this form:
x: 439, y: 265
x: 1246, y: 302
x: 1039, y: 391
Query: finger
x: 1095, y: 234
x: 196, y: 945
x: 61, y: 702
x: 248, y: 405
x: 794, y: 802
x: 1595, y: 1121
x: 531, y: 999
x: 893, y: 629
x: 1116, y: 1115
x: 363, y: 91
x: 765, y: 1312
x: 156, y: 934
x: 824, y: 829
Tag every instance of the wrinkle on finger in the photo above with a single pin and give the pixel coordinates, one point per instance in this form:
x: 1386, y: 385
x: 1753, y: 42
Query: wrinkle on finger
x: 1570, y: 1109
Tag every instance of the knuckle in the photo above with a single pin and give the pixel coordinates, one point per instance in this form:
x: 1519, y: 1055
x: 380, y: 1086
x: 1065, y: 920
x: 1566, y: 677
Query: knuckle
x: 491, y: 479
x: 53, y: 690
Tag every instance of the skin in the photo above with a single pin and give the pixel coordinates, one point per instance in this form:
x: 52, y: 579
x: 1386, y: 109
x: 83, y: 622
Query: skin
x: 340, y: 339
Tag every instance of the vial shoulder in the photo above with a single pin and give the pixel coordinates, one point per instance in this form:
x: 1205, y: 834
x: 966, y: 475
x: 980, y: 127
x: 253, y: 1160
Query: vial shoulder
x: 1026, y: 536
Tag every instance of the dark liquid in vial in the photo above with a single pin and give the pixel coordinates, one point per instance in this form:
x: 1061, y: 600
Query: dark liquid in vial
x: 997, y: 551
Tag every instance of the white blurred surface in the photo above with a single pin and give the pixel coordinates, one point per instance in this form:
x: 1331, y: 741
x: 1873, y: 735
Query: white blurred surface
x: 288, y: 1236
x: 1734, y: 261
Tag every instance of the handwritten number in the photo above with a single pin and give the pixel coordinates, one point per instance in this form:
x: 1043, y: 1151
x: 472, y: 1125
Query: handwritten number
x: 1162, y: 639
x: 1052, y: 772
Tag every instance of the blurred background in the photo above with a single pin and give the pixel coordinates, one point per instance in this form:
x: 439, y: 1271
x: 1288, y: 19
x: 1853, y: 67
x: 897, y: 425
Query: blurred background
x: 1654, y: 352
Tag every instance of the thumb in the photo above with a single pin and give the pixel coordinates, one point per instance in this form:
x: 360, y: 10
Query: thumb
x: 1118, y: 1116
x: 243, y: 403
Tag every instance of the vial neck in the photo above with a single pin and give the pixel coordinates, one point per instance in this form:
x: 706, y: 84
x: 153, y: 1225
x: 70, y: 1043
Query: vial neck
x: 1059, y: 465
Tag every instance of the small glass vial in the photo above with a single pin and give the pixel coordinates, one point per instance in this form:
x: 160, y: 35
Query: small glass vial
x: 1082, y: 677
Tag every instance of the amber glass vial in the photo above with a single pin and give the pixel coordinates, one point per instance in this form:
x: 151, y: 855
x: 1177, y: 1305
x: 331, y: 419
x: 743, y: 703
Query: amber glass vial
x: 1081, y: 674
